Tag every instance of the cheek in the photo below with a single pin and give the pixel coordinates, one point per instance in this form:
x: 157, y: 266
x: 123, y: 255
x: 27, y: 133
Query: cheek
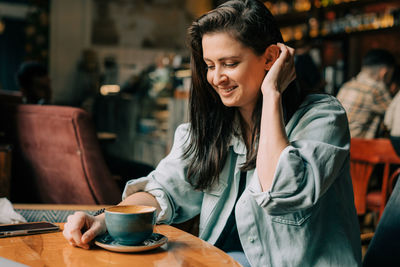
x: 209, y: 77
x: 252, y: 74
x: 255, y: 80
x: 259, y: 77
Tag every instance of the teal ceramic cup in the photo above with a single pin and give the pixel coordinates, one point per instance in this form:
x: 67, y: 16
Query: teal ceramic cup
x: 130, y: 225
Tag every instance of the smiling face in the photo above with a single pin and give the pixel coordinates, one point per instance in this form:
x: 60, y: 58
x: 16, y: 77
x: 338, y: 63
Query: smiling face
x: 233, y: 70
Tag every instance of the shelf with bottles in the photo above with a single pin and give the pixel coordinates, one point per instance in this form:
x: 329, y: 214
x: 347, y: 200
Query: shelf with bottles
x: 284, y: 10
x: 163, y: 110
x: 306, y: 19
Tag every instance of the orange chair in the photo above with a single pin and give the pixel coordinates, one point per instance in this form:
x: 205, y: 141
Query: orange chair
x: 365, y: 154
x: 57, y: 156
x: 392, y: 181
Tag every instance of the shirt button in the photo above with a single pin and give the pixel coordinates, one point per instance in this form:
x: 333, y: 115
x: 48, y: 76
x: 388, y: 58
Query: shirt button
x: 251, y: 239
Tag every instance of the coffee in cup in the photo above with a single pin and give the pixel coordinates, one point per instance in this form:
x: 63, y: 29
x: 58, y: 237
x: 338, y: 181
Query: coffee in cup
x: 130, y: 225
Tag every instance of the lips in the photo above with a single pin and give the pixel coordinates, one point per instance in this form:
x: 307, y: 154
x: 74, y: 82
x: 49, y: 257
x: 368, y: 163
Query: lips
x: 227, y: 89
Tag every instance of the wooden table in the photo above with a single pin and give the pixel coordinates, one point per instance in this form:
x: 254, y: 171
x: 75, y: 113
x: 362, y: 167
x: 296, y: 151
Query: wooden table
x: 51, y: 249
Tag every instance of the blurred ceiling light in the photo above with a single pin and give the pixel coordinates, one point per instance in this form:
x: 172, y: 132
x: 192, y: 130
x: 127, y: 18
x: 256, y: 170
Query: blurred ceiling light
x: 109, y: 89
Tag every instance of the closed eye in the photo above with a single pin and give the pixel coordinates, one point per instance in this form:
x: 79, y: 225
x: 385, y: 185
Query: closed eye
x: 230, y: 64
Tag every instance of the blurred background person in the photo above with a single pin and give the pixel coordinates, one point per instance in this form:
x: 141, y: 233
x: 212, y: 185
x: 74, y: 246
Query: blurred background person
x: 88, y: 80
x: 309, y: 76
x: 34, y: 83
x: 366, y: 97
x: 394, y: 86
x: 392, y: 116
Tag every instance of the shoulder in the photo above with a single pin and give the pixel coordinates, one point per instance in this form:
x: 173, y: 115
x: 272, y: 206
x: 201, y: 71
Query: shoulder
x: 183, y: 129
x: 393, y: 110
x: 182, y: 132
x: 350, y: 85
x: 319, y: 117
x: 396, y: 101
x: 324, y: 108
x: 182, y: 136
x: 359, y: 85
x: 317, y: 102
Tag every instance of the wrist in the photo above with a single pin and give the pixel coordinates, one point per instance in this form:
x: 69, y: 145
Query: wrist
x: 272, y: 96
x: 269, y: 87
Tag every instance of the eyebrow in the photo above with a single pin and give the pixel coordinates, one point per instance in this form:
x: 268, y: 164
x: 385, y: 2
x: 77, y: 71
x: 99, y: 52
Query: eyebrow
x: 223, y: 58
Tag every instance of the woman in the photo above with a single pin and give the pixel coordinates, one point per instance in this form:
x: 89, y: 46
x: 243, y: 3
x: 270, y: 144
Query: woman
x: 265, y: 165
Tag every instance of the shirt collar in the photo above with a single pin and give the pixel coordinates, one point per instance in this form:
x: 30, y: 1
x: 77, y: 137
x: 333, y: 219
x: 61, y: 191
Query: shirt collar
x: 238, y: 145
x: 236, y: 140
x: 365, y: 78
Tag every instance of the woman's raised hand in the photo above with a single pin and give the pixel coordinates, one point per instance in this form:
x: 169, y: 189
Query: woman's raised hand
x: 81, y: 228
x: 282, y: 72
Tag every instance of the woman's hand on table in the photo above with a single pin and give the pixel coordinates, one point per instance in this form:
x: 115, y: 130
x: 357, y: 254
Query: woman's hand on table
x: 81, y: 228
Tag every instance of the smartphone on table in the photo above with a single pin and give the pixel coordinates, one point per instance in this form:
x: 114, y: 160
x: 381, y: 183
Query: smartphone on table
x: 29, y: 228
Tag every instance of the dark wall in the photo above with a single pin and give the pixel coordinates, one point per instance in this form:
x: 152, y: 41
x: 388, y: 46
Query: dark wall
x: 12, y: 51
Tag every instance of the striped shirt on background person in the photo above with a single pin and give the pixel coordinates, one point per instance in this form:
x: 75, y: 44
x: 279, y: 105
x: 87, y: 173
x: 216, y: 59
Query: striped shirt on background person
x: 365, y: 101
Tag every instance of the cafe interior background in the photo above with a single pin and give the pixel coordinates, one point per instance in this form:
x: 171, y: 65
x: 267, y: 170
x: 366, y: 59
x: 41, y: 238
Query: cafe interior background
x: 125, y: 61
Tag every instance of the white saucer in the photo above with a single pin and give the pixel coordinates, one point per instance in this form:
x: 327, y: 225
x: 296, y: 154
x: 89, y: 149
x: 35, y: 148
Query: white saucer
x: 107, y: 242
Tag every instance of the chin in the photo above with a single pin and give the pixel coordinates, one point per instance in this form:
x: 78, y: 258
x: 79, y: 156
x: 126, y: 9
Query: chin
x: 228, y: 104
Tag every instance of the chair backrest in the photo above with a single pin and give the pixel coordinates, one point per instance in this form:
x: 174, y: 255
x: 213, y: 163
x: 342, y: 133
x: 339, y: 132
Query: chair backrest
x: 365, y: 154
x: 58, y: 157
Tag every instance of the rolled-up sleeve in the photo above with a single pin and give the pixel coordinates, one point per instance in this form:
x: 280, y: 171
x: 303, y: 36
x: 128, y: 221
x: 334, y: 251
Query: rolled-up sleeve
x: 318, y: 150
x: 168, y: 184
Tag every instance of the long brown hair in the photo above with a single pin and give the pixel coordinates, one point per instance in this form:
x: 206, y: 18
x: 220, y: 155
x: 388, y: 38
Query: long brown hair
x: 253, y: 25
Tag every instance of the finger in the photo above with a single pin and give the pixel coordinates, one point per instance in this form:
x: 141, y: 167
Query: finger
x: 91, y: 233
x: 73, y: 227
x: 284, y: 50
x: 76, y: 235
x: 287, y: 51
x: 68, y: 237
x: 291, y: 50
x: 286, y: 55
x: 286, y: 47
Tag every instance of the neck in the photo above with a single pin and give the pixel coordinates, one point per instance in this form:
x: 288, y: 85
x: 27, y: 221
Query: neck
x: 247, y: 125
x: 247, y: 115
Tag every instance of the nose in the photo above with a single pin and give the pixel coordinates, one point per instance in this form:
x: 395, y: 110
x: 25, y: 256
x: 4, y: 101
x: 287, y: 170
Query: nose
x: 219, y: 77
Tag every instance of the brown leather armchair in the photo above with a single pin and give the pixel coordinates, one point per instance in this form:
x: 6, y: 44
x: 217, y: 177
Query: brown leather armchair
x: 57, y: 157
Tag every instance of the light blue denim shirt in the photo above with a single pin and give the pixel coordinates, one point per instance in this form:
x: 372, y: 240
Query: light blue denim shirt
x: 307, y: 218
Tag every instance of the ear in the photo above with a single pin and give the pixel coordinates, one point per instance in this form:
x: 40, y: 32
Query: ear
x: 386, y: 74
x: 271, y: 55
x: 382, y: 73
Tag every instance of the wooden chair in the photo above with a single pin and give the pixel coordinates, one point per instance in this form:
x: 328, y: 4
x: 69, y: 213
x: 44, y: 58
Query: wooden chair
x: 57, y: 156
x: 365, y: 154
